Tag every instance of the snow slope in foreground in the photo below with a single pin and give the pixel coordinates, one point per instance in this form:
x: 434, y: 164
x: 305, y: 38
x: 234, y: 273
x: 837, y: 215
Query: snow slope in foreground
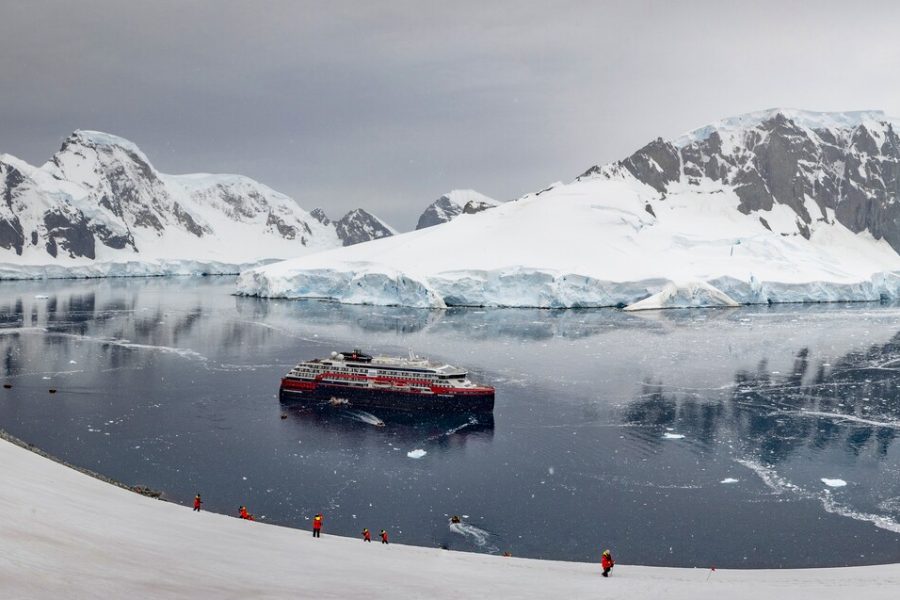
x: 67, y: 535
x: 600, y: 242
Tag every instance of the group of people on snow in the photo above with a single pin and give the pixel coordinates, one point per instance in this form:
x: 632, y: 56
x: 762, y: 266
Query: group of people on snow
x: 606, y: 560
x: 366, y: 534
x: 317, y: 522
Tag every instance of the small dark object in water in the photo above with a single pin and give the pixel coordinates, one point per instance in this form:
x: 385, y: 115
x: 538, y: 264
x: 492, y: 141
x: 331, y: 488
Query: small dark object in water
x: 7, y: 385
x: 455, y: 519
x: 52, y: 390
x: 283, y: 416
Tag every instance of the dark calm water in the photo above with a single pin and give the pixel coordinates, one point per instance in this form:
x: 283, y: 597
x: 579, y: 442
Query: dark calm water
x: 684, y: 438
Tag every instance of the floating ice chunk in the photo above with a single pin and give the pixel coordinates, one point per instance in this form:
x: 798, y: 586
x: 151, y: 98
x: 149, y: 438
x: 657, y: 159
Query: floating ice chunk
x: 729, y: 480
x: 834, y: 482
x: 683, y: 295
x: 417, y: 453
x: 72, y: 362
x: 673, y: 436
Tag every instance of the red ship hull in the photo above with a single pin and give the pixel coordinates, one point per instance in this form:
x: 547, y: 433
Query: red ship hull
x: 433, y: 399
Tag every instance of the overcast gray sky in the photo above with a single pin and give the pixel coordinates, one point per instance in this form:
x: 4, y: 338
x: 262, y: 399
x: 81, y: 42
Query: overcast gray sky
x: 387, y: 105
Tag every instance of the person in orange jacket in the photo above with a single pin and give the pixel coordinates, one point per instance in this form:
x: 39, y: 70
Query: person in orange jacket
x: 384, y: 539
x: 367, y: 537
x: 607, y: 562
x: 317, y: 525
x: 197, y: 502
x: 245, y: 515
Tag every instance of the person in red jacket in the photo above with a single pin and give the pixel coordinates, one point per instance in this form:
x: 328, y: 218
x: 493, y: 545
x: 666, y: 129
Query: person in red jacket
x: 197, y: 502
x: 607, y: 562
x: 317, y: 525
x: 384, y: 537
x: 367, y: 537
x: 245, y: 515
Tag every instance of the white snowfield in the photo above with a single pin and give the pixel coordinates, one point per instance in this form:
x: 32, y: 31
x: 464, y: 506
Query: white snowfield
x: 600, y: 242
x: 67, y: 535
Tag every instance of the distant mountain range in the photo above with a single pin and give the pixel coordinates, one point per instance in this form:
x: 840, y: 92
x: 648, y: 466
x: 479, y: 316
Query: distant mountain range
x: 99, y: 201
x: 780, y: 205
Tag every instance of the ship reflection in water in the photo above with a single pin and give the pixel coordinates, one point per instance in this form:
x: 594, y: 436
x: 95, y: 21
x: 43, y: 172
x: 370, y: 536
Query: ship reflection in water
x: 430, y: 431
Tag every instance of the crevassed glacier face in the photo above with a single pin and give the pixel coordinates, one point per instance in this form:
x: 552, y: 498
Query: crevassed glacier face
x: 545, y: 289
x: 350, y: 287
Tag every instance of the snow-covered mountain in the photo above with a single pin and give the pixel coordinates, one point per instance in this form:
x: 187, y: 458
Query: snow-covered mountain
x: 773, y: 206
x: 99, y: 207
x: 452, y: 204
x: 356, y: 226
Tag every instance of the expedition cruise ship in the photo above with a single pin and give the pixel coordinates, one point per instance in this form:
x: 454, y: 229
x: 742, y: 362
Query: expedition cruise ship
x: 397, y: 383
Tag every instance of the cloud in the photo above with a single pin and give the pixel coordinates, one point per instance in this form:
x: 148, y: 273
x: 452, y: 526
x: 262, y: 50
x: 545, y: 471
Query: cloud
x: 387, y: 105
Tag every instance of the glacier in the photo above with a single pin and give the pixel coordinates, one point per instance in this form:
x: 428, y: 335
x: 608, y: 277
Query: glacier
x: 595, y: 242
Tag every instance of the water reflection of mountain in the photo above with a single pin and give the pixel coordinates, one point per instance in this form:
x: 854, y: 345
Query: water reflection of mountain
x: 444, y: 432
x: 524, y: 324
x: 851, y: 404
x: 102, y: 323
x: 377, y: 319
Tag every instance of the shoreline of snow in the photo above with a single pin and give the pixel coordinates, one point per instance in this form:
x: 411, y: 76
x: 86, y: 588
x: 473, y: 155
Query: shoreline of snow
x: 85, y: 535
x: 137, y: 268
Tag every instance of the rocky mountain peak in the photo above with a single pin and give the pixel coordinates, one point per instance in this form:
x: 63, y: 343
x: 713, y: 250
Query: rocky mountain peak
x: 452, y: 204
x: 360, y: 226
x: 822, y: 166
x: 319, y: 215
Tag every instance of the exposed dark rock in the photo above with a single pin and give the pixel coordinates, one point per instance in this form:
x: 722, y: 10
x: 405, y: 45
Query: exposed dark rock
x: 145, y: 218
x: 187, y: 220
x: 115, y: 209
x: 751, y: 188
x: 112, y: 240
x: 448, y: 207
x: 358, y: 226
x: 845, y: 172
x: 476, y: 206
x: 73, y: 236
x: 656, y: 164
x: 244, y: 205
x: 286, y: 231
x: 12, y: 179
x: 319, y: 215
x: 11, y: 235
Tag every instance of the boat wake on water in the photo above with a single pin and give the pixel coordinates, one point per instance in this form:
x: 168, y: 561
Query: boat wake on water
x: 469, y: 422
x: 474, y: 535
x: 364, y: 417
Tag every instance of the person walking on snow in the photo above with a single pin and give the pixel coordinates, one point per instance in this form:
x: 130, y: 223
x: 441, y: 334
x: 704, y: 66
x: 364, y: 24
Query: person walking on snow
x: 197, y: 502
x: 607, y: 562
x: 384, y: 539
x: 317, y: 525
x: 367, y: 537
x: 244, y: 514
